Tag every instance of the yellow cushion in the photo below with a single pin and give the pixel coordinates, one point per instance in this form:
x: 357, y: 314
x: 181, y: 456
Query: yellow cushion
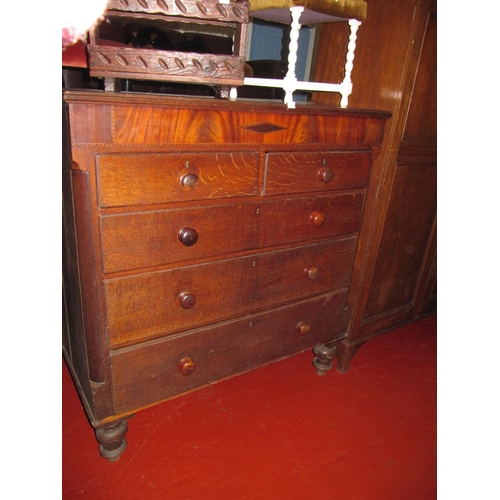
x: 345, y: 9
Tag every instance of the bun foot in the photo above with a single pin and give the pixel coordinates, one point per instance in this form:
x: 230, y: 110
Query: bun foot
x: 323, y: 360
x: 111, y: 439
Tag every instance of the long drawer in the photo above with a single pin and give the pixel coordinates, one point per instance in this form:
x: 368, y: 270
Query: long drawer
x: 161, y: 237
x: 308, y: 172
x: 156, y: 370
x: 149, y: 305
x: 144, y: 179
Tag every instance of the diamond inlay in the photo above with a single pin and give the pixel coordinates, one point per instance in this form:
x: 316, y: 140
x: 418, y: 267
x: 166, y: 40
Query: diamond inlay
x: 265, y: 128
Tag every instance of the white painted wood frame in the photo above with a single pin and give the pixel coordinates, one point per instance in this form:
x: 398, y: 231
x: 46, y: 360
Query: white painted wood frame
x: 290, y: 83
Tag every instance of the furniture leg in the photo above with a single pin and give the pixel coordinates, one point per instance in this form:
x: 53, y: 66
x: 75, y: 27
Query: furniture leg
x: 111, y: 439
x: 323, y: 360
x: 345, y: 353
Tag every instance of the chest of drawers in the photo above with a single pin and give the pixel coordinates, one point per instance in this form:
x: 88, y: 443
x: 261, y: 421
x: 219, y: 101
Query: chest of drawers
x: 202, y: 239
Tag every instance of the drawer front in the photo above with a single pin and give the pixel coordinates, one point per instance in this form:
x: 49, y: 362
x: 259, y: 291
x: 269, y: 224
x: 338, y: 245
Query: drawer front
x: 149, y: 305
x: 157, y: 238
x: 308, y: 172
x: 143, y: 179
x: 151, y: 372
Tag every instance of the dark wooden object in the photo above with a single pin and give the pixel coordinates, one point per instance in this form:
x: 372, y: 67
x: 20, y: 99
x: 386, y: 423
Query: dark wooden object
x: 112, y: 61
x: 204, y: 238
x: 395, y: 69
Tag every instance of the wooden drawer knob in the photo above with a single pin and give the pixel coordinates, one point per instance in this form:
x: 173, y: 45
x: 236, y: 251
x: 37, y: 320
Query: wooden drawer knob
x: 311, y: 272
x: 318, y: 219
x: 187, y: 366
x: 303, y: 328
x: 186, y: 300
x: 188, y: 180
x: 325, y: 175
x: 187, y: 236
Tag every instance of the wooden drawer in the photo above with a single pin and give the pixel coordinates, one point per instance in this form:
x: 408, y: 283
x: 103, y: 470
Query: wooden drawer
x: 150, y: 372
x: 143, y: 179
x: 149, y: 239
x: 308, y: 172
x: 153, y: 304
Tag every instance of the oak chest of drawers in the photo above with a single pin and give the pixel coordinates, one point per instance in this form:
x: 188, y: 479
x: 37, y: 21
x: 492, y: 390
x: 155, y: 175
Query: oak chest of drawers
x: 203, y: 238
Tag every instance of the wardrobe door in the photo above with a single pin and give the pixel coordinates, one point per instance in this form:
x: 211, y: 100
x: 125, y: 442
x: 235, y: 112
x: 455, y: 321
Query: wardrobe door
x: 403, y: 284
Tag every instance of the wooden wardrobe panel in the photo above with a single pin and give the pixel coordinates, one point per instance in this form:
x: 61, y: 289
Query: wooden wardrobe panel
x: 408, y: 223
x: 422, y: 115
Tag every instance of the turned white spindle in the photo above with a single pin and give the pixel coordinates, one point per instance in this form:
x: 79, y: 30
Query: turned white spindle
x: 290, y: 80
x: 290, y: 83
x: 351, y: 46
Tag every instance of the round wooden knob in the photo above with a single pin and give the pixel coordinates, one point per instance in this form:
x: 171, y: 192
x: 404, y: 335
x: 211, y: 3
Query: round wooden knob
x: 186, y: 300
x: 303, y: 328
x: 311, y: 272
x: 318, y: 219
x: 188, y: 180
x: 187, y: 366
x: 325, y: 175
x: 187, y: 236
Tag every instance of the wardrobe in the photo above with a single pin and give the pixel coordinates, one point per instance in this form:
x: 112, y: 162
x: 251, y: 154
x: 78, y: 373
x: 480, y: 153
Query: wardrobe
x: 395, y: 69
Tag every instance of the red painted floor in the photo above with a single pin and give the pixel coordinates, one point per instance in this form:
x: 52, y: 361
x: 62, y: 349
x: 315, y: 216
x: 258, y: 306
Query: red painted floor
x: 278, y: 432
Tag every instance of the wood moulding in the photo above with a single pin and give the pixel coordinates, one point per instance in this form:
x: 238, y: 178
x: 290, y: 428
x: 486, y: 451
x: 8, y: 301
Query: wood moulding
x: 145, y: 64
x: 206, y: 9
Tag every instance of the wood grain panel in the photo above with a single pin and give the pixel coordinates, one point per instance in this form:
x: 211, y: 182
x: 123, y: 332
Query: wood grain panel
x: 404, y: 240
x: 301, y: 172
x: 92, y: 314
x: 91, y: 124
x: 421, y: 122
x: 144, y: 120
x: 74, y: 343
x: 143, y: 179
x: 147, y: 125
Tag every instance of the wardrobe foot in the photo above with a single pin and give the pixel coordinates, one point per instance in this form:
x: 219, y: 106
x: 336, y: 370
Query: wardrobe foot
x: 345, y: 353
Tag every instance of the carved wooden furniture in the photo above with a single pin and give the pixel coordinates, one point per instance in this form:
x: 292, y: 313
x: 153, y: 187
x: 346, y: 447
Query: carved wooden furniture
x: 204, y: 238
x: 114, y: 60
x: 297, y: 12
x: 400, y: 281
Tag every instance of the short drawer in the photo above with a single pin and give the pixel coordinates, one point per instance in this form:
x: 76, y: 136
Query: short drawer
x: 160, y: 369
x: 149, y: 305
x: 143, y: 179
x: 308, y: 172
x: 162, y: 237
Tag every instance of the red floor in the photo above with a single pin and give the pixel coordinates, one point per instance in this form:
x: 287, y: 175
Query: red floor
x: 278, y: 432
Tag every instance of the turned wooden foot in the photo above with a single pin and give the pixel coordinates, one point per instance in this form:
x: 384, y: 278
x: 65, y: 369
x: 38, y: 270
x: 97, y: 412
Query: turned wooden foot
x: 323, y: 358
x: 345, y: 353
x: 111, y: 439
